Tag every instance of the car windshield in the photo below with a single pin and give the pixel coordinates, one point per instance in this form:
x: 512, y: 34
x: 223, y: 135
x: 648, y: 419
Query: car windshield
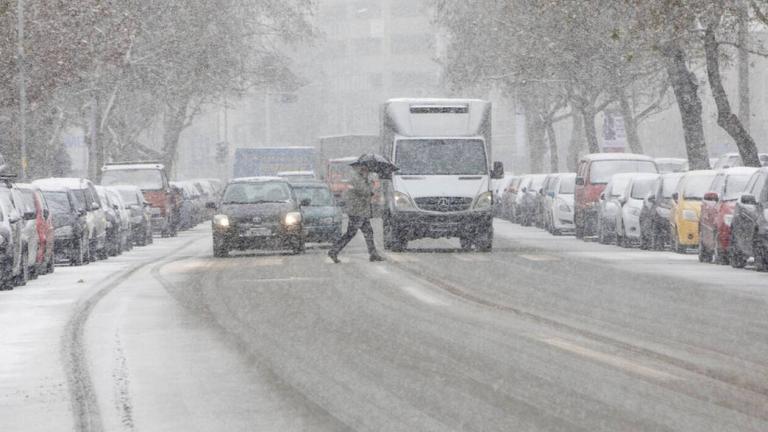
x: 144, y: 179
x: 600, y: 172
x: 58, y: 202
x: 641, y: 188
x: 258, y: 192
x: 734, y: 186
x: 567, y: 185
x: 318, y: 195
x: 441, y: 157
x: 129, y: 197
x: 697, y: 186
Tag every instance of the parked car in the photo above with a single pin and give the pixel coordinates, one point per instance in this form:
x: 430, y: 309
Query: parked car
x: 13, y: 257
x: 558, y: 211
x: 114, y: 228
x: 672, y: 165
x: 717, y: 213
x: 686, y: 212
x: 749, y: 228
x: 24, y: 198
x: 628, y: 229
x: 70, y: 225
x: 44, y: 259
x: 152, y: 179
x: 592, y: 176
x: 125, y: 218
x: 528, y: 205
x: 88, y: 200
x: 140, y: 215
x: 730, y: 160
x: 543, y: 201
x: 258, y: 213
x: 499, y: 188
x: 654, y: 216
x: 508, y: 197
x: 321, y: 218
x: 612, y: 199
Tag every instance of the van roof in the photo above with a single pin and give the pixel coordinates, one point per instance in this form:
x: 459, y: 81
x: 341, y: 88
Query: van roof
x: 615, y: 156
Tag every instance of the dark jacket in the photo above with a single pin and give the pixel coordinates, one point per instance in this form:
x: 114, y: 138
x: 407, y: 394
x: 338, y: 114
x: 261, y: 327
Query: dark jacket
x: 358, y: 198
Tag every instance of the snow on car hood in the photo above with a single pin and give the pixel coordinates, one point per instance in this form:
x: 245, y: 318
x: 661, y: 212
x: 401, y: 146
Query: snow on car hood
x: 415, y: 186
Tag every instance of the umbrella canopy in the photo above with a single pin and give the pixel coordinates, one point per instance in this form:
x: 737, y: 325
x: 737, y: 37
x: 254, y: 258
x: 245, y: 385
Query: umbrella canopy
x: 376, y: 163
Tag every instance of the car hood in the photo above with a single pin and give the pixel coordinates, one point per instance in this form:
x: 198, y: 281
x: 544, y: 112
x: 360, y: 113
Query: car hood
x: 313, y: 213
x: 416, y: 186
x: 60, y: 220
x: 266, y: 211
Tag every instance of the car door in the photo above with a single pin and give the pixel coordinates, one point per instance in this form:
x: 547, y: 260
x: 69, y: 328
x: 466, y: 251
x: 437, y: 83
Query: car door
x: 744, y: 217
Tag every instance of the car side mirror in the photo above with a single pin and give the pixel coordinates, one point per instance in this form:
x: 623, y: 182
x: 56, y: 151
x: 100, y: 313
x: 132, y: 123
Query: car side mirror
x: 305, y: 202
x: 551, y: 194
x: 651, y: 198
x: 602, y: 196
x: 579, y: 181
x: 622, y: 200
x: 498, y: 171
x: 210, y: 205
x: 82, y: 212
x: 30, y: 215
x: 524, y: 190
x: 95, y: 206
x: 675, y: 196
x: 115, y: 206
x: 46, y: 213
x: 711, y: 196
x: 748, y: 199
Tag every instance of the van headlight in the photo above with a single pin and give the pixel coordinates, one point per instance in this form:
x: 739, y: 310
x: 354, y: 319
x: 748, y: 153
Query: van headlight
x: 292, y: 218
x: 690, y: 215
x: 221, y: 221
x: 484, y: 201
x: 403, y: 201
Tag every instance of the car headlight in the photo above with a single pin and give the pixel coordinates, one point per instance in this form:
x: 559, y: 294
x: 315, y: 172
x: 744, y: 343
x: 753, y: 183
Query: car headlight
x: 484, y: 201
x: 727, y: 219
x: 403, y: 201
x: 690, y: 215
x: 292, y: 218
x: 221, y: 221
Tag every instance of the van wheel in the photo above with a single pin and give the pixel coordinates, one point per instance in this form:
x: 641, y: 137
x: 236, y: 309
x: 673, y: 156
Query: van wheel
x: 484, y: 241
x: 220, y: 250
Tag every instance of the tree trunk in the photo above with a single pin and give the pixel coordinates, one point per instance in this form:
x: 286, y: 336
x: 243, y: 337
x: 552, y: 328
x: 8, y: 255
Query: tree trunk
x: 630, y: 127
x: 684, y: 84
x: 744, y: 99
x: 554, y: 159
x: 576, y: 144
x: 726, y: 119
x: 536, y: 146
x: 174, y: 122
x: 588, y: 114
x: 96, y: 151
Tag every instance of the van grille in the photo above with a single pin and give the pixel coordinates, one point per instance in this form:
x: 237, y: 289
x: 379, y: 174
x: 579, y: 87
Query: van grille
x: 444, y: 204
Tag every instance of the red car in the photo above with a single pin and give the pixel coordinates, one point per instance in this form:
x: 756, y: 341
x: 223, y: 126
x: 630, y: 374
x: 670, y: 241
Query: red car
x: 45, y: 259
x: 594, y: 172
x: 717, y: 213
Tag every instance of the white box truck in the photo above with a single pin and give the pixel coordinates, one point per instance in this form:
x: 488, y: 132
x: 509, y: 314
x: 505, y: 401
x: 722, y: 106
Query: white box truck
x: 443, y: 186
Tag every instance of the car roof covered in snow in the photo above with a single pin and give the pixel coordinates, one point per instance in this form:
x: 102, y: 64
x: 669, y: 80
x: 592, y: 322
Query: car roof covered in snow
x: 257, y: 179
x: 616, y: 156
x: 69, y: 182
x: 740, y: 170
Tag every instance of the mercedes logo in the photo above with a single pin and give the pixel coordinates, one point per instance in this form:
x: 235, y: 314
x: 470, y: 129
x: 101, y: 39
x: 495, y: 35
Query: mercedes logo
x: 257, y: 220
x: 443, y: 204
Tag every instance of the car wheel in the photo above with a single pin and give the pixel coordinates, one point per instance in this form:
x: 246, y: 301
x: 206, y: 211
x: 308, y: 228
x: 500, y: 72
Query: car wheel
x: 465, y: 243
x: 705, y: 256
x: 23, y: 275
x: 579, y: 231
x: 761, y: 256
x: 676, y: 246
x: 484, y: 242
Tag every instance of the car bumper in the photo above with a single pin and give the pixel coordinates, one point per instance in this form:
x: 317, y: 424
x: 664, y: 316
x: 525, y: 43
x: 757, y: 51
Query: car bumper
x: 416, y: 225
x: 246, y: 237
x: 688, y: 233
x: 632, y: 227
x: 322, y: 233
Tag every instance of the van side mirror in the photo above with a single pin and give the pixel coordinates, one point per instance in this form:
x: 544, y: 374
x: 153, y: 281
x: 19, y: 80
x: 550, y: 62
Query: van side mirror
x: 210, y: 205
x: 675, y: 196
x: 498, y: 171
x: 711, y: 196
x: 305, y: 202
x: 579, y: 181
x: 748, y: 199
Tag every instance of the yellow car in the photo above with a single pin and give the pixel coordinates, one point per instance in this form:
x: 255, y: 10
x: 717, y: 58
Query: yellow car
x: 686, y: 210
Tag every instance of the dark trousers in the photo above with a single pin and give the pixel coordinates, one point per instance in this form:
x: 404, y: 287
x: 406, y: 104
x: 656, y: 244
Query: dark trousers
x: 356, y: 223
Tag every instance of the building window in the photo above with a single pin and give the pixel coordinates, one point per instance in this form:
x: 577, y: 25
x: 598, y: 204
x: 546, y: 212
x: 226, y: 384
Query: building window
x: 421, y: 43
x: 366, y: 9
x: 367, y: 46
x: 408, y: 8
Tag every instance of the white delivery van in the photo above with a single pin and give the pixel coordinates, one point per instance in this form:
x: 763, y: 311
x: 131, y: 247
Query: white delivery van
x: 442, y: 148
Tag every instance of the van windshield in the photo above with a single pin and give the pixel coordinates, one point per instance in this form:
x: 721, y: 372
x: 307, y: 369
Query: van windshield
x: 600, y: 172
x: 441, y: 157
x: 145, y: 179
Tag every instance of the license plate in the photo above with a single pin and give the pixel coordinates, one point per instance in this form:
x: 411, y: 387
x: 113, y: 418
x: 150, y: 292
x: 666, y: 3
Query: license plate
x: 258, y: 232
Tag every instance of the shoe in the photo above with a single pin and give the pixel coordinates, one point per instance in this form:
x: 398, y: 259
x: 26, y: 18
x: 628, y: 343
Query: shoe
x: 334, y: 257
x: 377, y: 258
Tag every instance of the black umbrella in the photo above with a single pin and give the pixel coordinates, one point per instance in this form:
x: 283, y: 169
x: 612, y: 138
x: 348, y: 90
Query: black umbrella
x: 376, y: 163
